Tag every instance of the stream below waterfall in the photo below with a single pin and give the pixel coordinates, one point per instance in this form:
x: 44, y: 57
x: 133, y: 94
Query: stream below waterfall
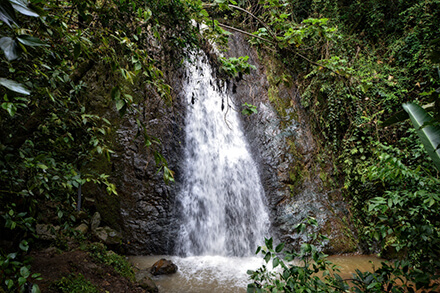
x: 208, y: 274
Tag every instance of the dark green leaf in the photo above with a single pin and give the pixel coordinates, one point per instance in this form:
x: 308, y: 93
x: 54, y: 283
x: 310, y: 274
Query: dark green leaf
x: 267, y: 257
x: 14, y: 86
x: 10, y: 48
x: 24, y: 272
x: 258, y: 250
x: 21, y: 281
x: 116, y: 93
x: 279, y: 248
x: 9, y: 283
x: 22, y: 7
x: 269, y: 243
x: 398, y: 117
x: 403, y: 115
x: 30, y: 41
x: 76, y: 50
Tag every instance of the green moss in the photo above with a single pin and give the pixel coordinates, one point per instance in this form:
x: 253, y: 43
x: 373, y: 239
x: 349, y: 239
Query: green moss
x: 100, y: 254
x: 343, y: 241
x: 298, y: 171
x: 74, y: 283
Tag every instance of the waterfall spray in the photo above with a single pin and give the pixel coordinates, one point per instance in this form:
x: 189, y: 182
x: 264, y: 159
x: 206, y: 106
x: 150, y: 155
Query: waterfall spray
x: 221, y: 203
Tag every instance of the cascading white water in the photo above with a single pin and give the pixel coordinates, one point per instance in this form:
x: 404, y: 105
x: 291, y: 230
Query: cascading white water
x: 221, y: 202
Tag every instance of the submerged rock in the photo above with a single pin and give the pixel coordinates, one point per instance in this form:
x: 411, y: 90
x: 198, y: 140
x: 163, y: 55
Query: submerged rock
x: 145, y: 281
x: 163, y: 267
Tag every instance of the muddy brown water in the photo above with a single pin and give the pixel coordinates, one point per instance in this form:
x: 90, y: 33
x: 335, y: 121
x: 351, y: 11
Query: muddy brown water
x: 208, y: 274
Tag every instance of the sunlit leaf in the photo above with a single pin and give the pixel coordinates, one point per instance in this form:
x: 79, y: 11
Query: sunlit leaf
x: 24, y: 245
x: 14, y: 86
x: 10, y: 108
x: 120, y: 104
x: 35, y: 288
x: 22, y: 6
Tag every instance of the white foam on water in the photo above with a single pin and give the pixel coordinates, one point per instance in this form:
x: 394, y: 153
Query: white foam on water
x: 199, y: 274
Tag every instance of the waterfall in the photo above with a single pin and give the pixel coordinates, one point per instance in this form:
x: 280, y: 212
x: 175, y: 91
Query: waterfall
x: 221, y: 201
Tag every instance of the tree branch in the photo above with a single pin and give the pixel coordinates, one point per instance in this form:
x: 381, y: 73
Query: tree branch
x: 251, y: 14
x: 245, y: 33
x: 275, y: 40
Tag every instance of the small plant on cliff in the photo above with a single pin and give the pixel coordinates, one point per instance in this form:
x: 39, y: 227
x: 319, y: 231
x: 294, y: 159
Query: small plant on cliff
x: 249, y: 109
x: 74, y: 283
x: 99, y: 253
x: 234, y: 67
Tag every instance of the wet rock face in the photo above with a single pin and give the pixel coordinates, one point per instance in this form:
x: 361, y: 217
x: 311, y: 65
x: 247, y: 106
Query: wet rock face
x: 147, y: 202
x: 283, y: 144
x: 143, y: 209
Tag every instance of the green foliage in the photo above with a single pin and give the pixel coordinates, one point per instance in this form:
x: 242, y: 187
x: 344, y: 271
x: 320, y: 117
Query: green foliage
x: 99, y: 253
x: 16, y: 271
x: 249, y: 109
x: 356, y: 63
x: 408, y: 209
x: 74, y: 283
x: 51, y: 138
x: 233, y: 67
x: 308, y: 270
x: 299, y: 269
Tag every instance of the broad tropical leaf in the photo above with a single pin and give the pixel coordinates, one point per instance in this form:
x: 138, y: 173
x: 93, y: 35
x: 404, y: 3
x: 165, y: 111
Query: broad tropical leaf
x: 7, y: 13
x: 403, y: 115
x: 14, y: 86
x: 10, y: 48
x: 30, y: 41
x: 22, y: 6
x: 429, y: 134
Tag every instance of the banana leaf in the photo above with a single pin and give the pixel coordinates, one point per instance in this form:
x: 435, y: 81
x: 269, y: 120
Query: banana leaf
x: 428, y: 131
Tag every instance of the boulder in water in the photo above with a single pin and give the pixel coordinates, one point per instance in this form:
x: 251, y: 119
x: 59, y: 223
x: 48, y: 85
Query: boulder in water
x: 163, y: 267
x: 144, y: 280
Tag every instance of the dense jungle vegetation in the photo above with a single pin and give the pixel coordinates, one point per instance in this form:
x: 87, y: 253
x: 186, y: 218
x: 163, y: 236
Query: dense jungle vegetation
x: 355, y: 64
